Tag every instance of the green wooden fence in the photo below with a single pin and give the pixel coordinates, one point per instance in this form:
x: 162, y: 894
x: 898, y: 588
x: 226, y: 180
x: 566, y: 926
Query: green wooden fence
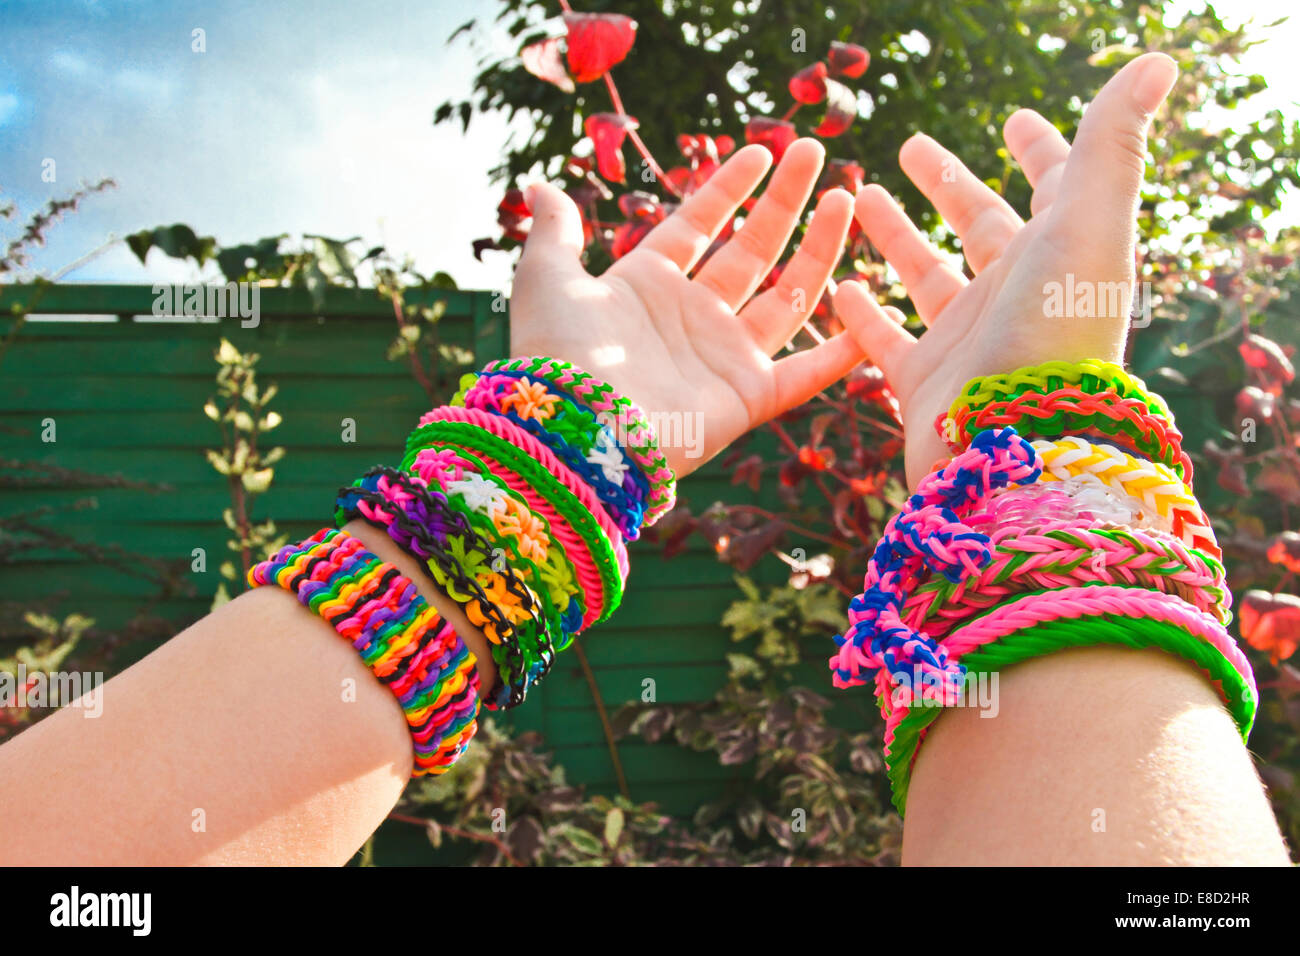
x: 126, y: 397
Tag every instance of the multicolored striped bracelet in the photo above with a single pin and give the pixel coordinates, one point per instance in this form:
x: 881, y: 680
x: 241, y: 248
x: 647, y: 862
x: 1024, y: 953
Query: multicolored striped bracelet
x: 1151, y: 482
x: 406, y: 644
x: 486, y: 497
x: 546, y: 494
x: 460, y: 562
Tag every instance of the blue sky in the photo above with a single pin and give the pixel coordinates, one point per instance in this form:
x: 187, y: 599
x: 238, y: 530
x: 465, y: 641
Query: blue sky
x: 301, y: 116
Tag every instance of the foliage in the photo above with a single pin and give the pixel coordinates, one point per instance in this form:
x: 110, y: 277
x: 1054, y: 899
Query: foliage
x: 240, y: 411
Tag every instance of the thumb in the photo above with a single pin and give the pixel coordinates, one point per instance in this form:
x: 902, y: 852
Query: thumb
x: 1102, y: 180
x: 556, y: 232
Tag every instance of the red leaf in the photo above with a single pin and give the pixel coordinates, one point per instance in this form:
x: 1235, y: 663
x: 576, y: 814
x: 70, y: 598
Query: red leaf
x: 1232, y: 477
x: 748, y: 472
x: 628, y: 235
x: 776, y: 135
x: 1279, y: 480
x: 841, y: 108
x: 514, y: 216
x: 1256, y: 403
x: 1267, y: 357
x: 607, y: 132
x: 543, y: 60
x: 1285, y: 550
x: 809, y: 84
x: 597, y: 41
x: 848, y: 59
x: 636, y: 204
x: 844, y: 173
x: 1271, y: 622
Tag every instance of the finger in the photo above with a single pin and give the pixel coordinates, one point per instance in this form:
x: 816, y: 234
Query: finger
x: 798, y: 377
x: 774, y: 316
x: 930, y: 278
x: 1041, y: 151
x: 983, y: 220
x: 736, y: 270
x: 557, y: 224
x: 1102, y: 181
x: 878, y: 331
x: 685, y: 235
x: 553, y: 250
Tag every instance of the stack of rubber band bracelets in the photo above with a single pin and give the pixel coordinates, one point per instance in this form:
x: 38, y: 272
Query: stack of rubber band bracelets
x: 518, y: 499
x: 1066, y: 518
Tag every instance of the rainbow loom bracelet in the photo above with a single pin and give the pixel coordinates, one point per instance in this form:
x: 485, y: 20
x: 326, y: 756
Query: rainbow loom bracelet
x: 545, y: 495
x: 571, y: 432
x: 1041, y: 623
x: 1151, y: 482
x: 1066, y: 557
x: 459, y: 562
x: 467, y: 480
x: 639, y: 443
x: 406, y: 644
x: 1091, y: 376
x: 499, y: 434
x: 1071, y: 410
x: 927, y: 535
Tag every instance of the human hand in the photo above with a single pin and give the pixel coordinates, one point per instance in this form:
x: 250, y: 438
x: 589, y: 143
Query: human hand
x: 695, y: 346
x: 1084, y: 205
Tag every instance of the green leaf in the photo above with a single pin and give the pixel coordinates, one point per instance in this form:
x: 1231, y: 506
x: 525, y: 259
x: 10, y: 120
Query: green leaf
x: 613, y: 826
x: 581, y: 840
x: 178, y: 241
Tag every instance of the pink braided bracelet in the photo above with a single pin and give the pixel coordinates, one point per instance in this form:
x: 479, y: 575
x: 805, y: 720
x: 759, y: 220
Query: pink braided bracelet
x: 1199, y: 581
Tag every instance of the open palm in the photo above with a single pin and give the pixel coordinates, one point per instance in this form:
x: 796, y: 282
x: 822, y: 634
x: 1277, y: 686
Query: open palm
x: 694, y: 346
x: 1081, y: 234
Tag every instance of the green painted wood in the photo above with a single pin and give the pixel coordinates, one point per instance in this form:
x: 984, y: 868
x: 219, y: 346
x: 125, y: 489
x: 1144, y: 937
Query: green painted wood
x: 126, y: 398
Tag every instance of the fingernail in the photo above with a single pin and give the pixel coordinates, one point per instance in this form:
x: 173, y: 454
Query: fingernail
x: 1157, y: 79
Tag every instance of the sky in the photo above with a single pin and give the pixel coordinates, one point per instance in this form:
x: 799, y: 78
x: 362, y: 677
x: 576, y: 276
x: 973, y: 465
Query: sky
x: 299, y: 116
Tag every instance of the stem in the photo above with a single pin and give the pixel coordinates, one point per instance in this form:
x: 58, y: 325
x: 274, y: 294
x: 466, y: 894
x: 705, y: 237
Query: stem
x: 605, y: 725
x: 459, y: 833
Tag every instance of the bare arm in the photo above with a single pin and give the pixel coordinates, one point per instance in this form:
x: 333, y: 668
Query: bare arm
x: 1097, y: 756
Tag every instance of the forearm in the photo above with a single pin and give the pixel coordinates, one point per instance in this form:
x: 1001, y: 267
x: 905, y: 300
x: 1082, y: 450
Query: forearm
x: 256, y: 736
x: 1095, y: 756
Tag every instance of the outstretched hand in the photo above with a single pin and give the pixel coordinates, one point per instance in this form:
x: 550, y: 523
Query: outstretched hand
x: 696, y: 346
x: 1081, y: 235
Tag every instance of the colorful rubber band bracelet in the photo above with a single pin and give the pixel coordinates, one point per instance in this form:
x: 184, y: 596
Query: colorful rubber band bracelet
x: 405, y: 643
x: 1072, y: 411
x: 573, y: 435
x: 1033, y: 625
x: 1091, y: 375
x: 639, y: 443
x: 1150, y: 482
